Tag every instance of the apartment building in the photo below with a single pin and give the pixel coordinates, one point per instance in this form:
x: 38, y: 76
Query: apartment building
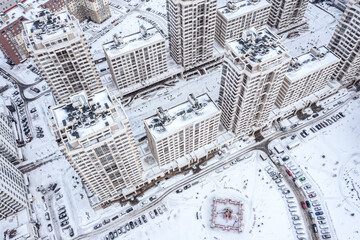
x: 237, y: 16
x: 251, y: 78
x: 307, y: 74
x: 284, y: 13
x: 11, y: 40
x: 191, y: 27
x: 136, y: 57
x: 96, y: 10
x: 93, y: 132
x: 182, y: 129
x: 60, y: 50
x: 345, y: 43
x: 8, y: 146
x: 7, y: 4
x: 13, y: 192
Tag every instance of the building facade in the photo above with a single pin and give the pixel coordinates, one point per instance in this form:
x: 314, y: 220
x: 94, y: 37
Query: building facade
x: 191, y: 27
x: 284, y: 13
x: 11, y: 40
x: 235, y: 17
x: 137, y: 57
x: 60, y: 50
x: 251, y: 78
x: 345, y: 43
x: 8, y: 146
x: 307, y: 74
x: 13, y: 192
x: 93, y: 132
x: 96, y: 10
x: 182, y: 129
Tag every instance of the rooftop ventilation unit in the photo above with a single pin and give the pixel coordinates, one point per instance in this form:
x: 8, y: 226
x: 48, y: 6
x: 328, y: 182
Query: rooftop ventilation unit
x: 163, y: 115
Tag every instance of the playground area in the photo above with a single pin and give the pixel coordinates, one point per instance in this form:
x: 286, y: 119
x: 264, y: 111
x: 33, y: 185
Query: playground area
x: 227, y: 214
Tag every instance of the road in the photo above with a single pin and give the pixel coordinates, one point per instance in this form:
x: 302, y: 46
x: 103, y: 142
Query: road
x: 263, y: 146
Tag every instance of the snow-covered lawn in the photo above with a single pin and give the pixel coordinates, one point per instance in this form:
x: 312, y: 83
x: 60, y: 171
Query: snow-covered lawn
x: 331, y: 157
x: 321, y: 28
x: 246, y: 181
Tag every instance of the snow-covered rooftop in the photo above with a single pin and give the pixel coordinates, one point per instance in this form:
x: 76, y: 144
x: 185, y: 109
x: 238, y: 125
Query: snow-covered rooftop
x: 235, y: 9
x: 88, y: 115
x: 49, y: 25
x: 142, y: 38
x: 257, y: 46
x: 169, y: 121
x: 310, y: 62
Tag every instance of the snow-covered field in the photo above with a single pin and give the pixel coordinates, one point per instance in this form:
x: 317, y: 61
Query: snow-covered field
x: 321, y: 26
x: 331, y: 157
x: 246, y: 181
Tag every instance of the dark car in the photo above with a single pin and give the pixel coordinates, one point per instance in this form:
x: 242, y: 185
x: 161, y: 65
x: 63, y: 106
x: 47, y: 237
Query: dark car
x: 156, y: 213
x: 71, y: 232
x: 64, y: 223
x: 144, y: 218
x: 111, y: 235
x: 314, y: 227
x: 179, y: 191
x: 341, y: 114
x: 308, y: 204
x: 129, y: 210
x: 152, y: 198
x: 187, y: 186
x: 326, y: 236
x: 62, y: 215
x: 131, y: 225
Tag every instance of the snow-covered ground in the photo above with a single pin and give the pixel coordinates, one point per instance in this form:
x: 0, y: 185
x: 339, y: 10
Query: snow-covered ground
x: 246, y: 181
x: 330, y: 157
x: 318, y: 32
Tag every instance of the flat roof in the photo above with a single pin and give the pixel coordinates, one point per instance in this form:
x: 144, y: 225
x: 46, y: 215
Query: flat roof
x: 258, y: 46
x: 235, y: 9
x: 309, y: 63
x: 49, y: 25
x: 181, y: 116
x: 89, y: 116
x: 133, y: 41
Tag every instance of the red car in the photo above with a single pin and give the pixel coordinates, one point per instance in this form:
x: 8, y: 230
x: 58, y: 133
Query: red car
x: 303, y: 205
x: 288, y: 172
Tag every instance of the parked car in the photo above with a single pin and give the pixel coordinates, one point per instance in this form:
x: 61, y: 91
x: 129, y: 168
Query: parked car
x: 106, y: 221
x: 132, y: 226
x: 308, y: 204
x: 319, y: 213
x: 58, y: 196
x: 64, y: 223
x: 151, y: 214
x: 97, y: 226
x: 314, y: 227
x: 71, y: 232
x: 187, y: 186
x: 47, y: 216
x: 311, y: 195
x: 152, y: 198
x: 288, y: 172
x: 326, y: 236
x: 144, y: 218
x: 159, y: 210
x: 49, y: 227
x: 302, y: 179
x: 129, y: 209
x: 303, y: 205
